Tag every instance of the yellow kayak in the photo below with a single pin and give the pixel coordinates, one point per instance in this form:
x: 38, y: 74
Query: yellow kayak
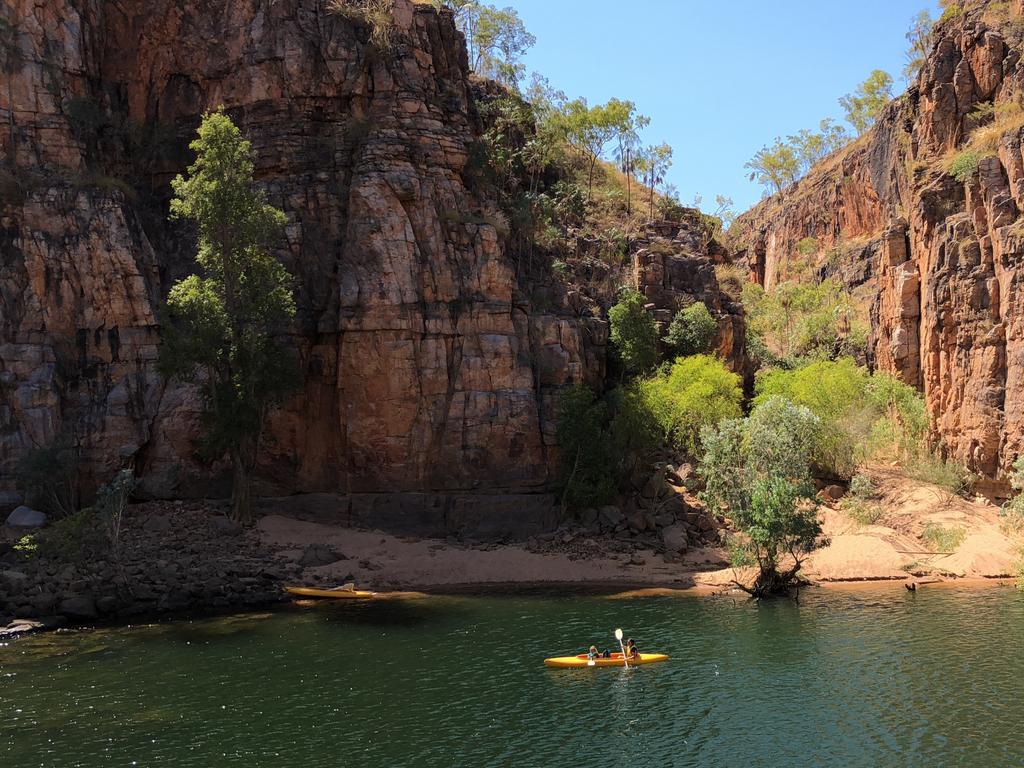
x: 334, y: 594
x: 581, y: 661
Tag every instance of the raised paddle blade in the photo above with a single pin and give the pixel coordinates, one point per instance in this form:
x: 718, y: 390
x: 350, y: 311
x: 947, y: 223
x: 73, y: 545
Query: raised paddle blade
x: 618, y: 635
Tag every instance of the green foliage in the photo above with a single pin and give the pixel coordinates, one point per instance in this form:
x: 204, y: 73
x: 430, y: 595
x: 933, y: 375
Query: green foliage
x: 865, y: 104
x: 496, y: 39
x: 775, y: 167
x: 900, y: 431
x: 812, y: 146
x: 949, y: 12
x: 654, y: 164
x: 835, y: 392
x: 1013, y: 510
x: 862, y: 488
x: 798, y: 319
x: 953, y: 478
x: 222, y: 326
x: 111, y: 501
x: 74, y: 539
x: 695, y: 392
x: 48, y: 478
x: 692, y: 331
x: 964, y: 166
x: 588, y: 477
x: 919, y: 38
x: 942, y: 539
x: 807, y: 246
x: 757, y: 471
x: 589, y: 129
x: 634, y: 334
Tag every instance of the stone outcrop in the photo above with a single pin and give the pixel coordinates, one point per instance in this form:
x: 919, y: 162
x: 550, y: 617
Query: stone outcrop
x: 426, y: 366
x: 941, y: 257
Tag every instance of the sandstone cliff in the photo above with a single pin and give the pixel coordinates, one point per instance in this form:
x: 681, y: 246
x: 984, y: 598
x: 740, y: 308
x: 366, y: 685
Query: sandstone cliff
x: 431, y: 362
x: 943, y: 258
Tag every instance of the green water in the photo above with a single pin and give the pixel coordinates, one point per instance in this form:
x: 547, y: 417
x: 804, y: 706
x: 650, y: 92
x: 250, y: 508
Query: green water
x: 883, y: 678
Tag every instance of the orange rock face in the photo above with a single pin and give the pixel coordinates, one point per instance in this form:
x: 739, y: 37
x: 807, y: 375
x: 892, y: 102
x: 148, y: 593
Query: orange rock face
x: 426, y: 365
x: 944, y: 257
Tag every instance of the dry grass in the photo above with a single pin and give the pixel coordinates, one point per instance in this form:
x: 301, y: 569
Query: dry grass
x: 1006, y: 117
x: 378, y: 15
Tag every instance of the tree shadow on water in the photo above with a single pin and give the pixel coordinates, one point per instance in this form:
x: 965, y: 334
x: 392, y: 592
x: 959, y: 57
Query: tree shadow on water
x: 390, y: 613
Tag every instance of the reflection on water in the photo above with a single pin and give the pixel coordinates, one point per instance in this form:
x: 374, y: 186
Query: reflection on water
x: 883, y: 678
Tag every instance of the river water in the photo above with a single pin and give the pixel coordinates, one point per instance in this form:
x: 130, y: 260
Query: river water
x: 860, y: 678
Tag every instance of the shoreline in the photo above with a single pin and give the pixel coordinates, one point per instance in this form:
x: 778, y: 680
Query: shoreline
x: 508, y: 589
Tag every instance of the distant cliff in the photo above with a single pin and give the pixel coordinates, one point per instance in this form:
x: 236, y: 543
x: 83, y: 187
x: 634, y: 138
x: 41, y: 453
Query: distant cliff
x: 944, y: 258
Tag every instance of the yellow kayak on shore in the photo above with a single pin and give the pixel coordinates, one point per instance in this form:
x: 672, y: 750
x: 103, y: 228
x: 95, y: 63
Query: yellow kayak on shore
x: 581, y: 661
x: 338, y: 593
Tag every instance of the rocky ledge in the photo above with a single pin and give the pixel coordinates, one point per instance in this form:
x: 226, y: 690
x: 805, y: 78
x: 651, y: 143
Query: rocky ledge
x: 174, y: 557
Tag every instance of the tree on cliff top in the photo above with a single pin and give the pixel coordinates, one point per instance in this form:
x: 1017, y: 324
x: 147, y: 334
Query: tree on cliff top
x: 590, y: 129
x: 222, y: 325
x: 775, y: 167
x: 864, y: 105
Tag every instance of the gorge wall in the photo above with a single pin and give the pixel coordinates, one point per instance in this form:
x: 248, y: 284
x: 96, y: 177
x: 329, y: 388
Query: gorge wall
x: 432, y: 360
x: 942, y: 260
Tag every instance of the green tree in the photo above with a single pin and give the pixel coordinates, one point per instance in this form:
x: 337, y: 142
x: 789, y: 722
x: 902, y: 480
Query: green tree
x: 757, y: 471
x: 591, y: 129
x: 500, y: 40
x: 628, y: 154
x: 223, y: 324
x: 864, y: 105
x: 693, y: 393
x: 919, y: 38
x: 692, y: 330
x: 587, y: 466
x: 654, y: 163
x: 634, y: 334
x: 812, y: 146
x: 774, y: 167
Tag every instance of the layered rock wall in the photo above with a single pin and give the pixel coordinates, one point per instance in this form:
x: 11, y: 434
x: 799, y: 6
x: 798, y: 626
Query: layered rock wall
x: 943, y: 258
x: 426, y: 366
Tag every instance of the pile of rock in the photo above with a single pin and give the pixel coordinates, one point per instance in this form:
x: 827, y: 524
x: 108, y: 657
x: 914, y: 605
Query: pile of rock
x: 174, y: 557
x: 660, y: 515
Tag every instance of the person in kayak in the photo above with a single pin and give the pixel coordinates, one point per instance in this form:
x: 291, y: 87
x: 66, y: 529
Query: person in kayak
x: 593, y: 653
x: 631, y: 649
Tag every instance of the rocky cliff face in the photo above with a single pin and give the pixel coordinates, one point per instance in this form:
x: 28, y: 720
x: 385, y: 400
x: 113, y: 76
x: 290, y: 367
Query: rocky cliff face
x: 944, y: 258
x: 429, y: 362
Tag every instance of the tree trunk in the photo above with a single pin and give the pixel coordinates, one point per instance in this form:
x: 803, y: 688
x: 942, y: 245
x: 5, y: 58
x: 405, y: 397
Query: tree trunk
x: 241, y: 499
x: 590, y: 180
x: 10, y: 111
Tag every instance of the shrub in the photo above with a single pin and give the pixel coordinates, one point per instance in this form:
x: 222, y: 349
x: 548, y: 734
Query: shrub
x: 78, y: 537
x: 900, y: 431
x: 634, y: 334
x: 807, y: 246
x: 964, y: 166
x: 48, y: 478
x: 950, y: 12
x: 948, y: 475
x: 863, y: 512
x: 942, y: 539
x: 692, y: 331
x: 111, y: 501
x: 835, y: 393
x: 587, y: 476
x: 862, y: 488
x: 695, y: 392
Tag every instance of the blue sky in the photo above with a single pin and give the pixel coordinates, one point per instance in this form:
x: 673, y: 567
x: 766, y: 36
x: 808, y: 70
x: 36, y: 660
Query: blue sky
x: 718, y: 79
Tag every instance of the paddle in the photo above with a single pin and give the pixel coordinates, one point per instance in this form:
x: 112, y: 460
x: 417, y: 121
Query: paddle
x: 618, y: 636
